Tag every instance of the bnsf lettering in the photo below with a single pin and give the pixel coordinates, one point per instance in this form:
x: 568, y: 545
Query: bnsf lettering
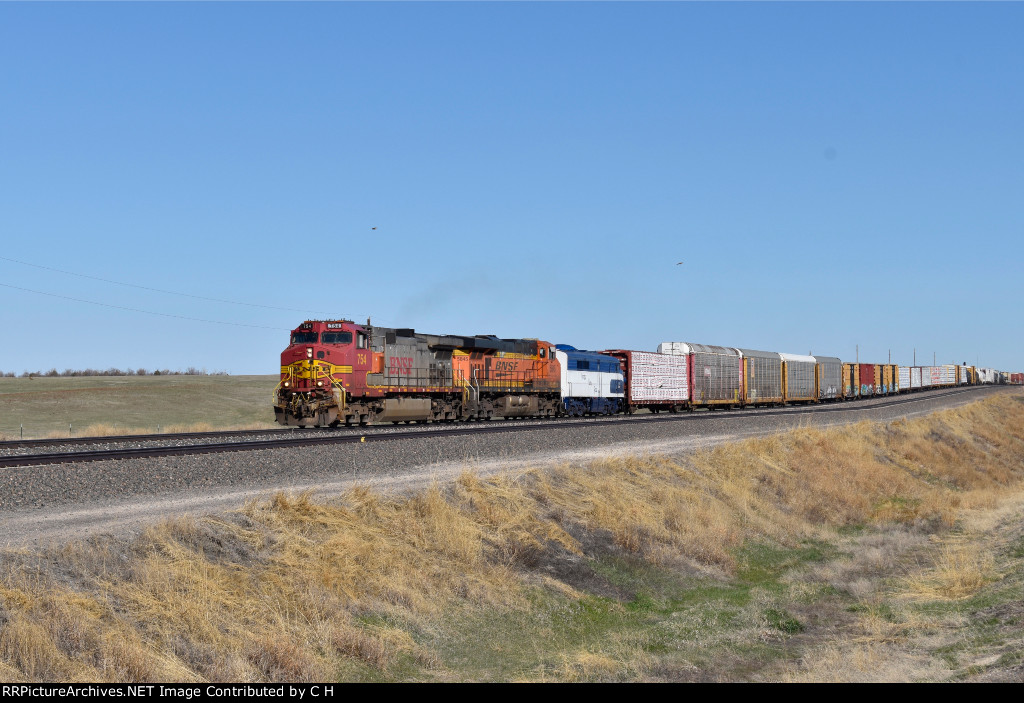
x: 400, y: 365
x: 505, y: 366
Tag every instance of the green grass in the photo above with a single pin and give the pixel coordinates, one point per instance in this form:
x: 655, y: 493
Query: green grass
x: 761, y: 564
x: 48, y: 405
x: 664, y: 621
x: 783, y: 621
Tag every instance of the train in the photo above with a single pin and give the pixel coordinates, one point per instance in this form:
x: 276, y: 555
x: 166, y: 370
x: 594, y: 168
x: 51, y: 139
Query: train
x: 338, y: 372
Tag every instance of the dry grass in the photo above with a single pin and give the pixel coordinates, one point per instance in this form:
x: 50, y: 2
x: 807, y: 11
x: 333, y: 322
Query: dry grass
x: 959, y: 572
x: 871, y: 662
x: 298, y: 589
x: 100, y: 405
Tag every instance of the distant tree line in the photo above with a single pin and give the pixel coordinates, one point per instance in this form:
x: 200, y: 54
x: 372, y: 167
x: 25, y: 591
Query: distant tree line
x: 54, y: 373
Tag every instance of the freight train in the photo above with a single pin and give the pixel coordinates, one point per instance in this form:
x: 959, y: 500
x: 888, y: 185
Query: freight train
x: 339, y: 372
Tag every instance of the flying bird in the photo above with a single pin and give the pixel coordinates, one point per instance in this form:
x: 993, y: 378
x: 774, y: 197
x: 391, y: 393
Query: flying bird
x: 680, y: 263
x: 373, y: 228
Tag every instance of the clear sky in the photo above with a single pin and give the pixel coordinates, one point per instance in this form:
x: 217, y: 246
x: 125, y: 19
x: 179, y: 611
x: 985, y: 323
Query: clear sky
x: 830, y: 175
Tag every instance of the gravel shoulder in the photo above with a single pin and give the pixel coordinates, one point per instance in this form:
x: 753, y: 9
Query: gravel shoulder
x: 63, y: 502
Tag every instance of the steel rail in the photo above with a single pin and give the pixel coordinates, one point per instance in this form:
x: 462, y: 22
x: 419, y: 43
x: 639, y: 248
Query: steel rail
x: 153, y: 437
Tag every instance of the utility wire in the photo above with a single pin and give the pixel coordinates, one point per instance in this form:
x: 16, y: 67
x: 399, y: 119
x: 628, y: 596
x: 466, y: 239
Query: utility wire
x: 147, y: 312
x: 159, y: 290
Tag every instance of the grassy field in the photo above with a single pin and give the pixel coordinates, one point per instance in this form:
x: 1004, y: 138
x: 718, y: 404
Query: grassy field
x: 98, y: 405
x: 872, y: 552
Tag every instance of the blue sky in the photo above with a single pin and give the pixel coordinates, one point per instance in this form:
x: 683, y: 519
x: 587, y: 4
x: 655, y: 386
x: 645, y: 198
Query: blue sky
x: 831, y: 175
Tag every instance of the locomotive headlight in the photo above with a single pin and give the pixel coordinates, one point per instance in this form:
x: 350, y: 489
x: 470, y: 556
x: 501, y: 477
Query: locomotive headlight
x: 320, y: 383
x: 287, y: 384
x: 309, y: 352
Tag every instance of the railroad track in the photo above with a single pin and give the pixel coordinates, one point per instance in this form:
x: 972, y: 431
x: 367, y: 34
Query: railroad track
x: 161, y: 437
x: 364, y: 435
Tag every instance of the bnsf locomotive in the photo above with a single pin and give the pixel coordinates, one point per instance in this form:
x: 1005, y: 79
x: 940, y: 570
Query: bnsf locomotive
x: 337, y: 372
x: 341, y: 372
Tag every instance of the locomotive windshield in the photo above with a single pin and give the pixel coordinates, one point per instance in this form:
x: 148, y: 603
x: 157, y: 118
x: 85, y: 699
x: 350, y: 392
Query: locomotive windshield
x: 336, y: 338
x: 304, y: 338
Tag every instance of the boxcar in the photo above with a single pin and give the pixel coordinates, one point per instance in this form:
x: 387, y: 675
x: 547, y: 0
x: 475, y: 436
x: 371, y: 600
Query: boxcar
x: 888, y: 381
x: 938, y: 376
x: 903, y: 375
x: 870, y: 375
x: 851, y: 380
x: 926, y: 377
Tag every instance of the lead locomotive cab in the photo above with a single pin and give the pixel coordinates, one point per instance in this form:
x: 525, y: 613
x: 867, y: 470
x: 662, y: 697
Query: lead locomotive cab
x: 316, y: 368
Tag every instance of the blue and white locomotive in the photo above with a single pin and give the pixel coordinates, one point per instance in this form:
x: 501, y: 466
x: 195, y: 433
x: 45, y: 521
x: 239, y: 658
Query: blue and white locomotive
x: 592, y: 383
